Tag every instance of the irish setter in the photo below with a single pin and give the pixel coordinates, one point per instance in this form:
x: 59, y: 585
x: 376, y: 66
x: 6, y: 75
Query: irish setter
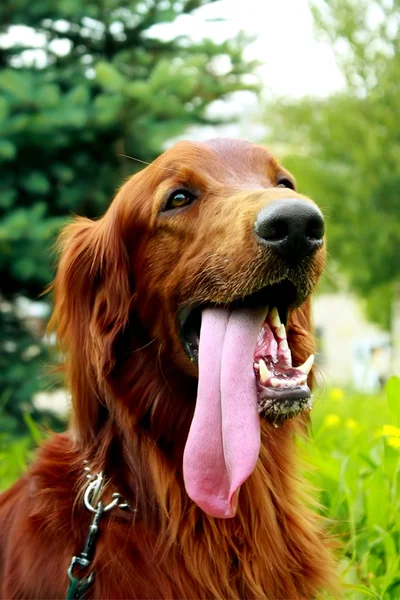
x: 183, y: 316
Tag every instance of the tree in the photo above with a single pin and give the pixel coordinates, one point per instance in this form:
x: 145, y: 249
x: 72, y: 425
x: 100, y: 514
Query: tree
x: 87, y: 84
x: 350, y: 145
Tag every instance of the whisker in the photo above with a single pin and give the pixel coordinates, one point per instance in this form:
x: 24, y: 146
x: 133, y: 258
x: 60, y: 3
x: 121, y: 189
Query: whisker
x: 142, y: 347
x: 282, y: 156
x: 143, y: 162
x: 162, y: 370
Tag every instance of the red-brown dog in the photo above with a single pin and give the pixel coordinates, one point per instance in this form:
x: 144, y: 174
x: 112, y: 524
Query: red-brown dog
x: 184, y: 318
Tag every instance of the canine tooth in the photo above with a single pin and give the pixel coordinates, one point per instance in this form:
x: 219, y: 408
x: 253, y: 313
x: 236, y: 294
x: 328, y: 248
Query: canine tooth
x: 274, y: 317
x: 264, y: 373
x: 275, y: 382
x: 283, y: 346
x: 306, y: 367
x: 281, y: 332
x: 288, y: 357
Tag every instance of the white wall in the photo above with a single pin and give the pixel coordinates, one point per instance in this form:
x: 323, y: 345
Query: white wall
x: 346, y: 341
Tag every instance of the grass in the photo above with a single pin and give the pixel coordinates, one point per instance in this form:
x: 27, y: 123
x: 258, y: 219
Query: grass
x: 354, y: 461
x: 355, y: 458
x: 15, y: 453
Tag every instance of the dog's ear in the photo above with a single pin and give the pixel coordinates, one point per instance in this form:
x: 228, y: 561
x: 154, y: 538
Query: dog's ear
x: 301, y: 336
x: 93, y: 291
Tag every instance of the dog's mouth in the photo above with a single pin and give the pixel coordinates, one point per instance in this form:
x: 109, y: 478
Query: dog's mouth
x: 245, y: 369
x: 282, y: 390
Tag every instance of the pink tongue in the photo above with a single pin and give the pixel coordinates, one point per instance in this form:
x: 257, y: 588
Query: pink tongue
x: 224, y: 438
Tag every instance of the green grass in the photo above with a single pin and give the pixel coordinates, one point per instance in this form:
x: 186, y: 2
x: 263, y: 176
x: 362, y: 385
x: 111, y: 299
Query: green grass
x: 353, y: 460
x: 15, y: 453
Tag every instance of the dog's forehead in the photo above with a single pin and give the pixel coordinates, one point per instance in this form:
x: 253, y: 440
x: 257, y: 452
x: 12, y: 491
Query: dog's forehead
x: 222, y: 157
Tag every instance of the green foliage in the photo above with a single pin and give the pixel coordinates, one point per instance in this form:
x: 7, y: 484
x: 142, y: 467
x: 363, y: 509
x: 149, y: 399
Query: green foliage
x: 84, y: 86
x: 16, y: 453
x: 354, y: 456
x: 345, y: 149
x: 22, y: 360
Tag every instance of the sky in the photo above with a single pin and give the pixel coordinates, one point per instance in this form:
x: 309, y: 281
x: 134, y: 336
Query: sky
x: 295, y: 62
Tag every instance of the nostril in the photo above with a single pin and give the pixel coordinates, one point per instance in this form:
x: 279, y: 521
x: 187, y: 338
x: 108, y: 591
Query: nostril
x: 315, y: 228
x: 276, y: 230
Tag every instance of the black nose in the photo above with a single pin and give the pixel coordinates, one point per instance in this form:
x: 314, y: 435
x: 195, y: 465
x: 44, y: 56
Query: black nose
x: 292, y: 228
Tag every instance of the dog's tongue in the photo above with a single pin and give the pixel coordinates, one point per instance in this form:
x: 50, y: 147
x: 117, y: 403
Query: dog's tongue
x: 224, y: 438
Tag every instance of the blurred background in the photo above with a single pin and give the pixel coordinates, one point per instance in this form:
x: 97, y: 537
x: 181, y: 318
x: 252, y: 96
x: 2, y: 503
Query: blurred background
x: 89, y: 90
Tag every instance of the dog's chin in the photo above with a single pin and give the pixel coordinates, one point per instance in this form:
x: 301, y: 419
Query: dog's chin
x: 282, y: 389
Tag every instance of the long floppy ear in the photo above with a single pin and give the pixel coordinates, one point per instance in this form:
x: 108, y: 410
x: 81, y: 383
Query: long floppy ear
x: 301, y: 336
x: 93, y: 293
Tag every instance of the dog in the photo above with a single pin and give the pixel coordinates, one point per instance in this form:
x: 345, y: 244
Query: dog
x: 183, y: 319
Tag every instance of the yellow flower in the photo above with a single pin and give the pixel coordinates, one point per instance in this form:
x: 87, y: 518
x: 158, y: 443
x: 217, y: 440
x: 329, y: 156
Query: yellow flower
x: 392, y: 435
x: 351, y: 424
x: 388, y: 430
x: 332, y: 420
x: 394, y: 442
x: 336, y: 394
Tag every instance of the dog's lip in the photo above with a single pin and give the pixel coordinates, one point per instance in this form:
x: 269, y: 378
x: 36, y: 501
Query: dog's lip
x: 286, y: 290
x: 277, y: 406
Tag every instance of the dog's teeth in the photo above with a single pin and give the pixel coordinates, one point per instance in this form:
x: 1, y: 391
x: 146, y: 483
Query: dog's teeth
x: 283, y: 345
x: 302, y: 380
x: 306, y: 367
x: 274, y: 317
x: 281, y: 333
x: 264, y: 373
x: 275, y: 382
x: 288, y: 357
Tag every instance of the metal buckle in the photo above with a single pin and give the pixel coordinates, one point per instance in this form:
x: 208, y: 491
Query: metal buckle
x: 92, y: 493
x: 82, y: 563
x: 79, y: 585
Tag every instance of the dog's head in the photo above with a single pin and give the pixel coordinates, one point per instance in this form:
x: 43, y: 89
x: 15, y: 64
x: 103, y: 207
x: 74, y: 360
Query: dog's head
x: 204, y: 264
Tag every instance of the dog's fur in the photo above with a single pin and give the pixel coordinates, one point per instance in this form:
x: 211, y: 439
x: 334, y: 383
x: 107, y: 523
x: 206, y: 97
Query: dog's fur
x: 120, y: 282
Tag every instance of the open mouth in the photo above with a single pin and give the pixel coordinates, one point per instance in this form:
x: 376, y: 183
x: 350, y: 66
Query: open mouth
x: 282, y: 390
x: 244, y: 370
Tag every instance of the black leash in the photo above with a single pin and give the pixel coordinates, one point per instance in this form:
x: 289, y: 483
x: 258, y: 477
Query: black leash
x: 78, y: 583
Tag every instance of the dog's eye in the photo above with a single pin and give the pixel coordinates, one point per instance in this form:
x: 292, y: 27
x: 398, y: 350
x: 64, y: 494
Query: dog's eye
x: 285, y: 183
x: 179, y: 199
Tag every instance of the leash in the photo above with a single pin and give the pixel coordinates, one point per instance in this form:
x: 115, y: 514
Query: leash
x: 78, y: 583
